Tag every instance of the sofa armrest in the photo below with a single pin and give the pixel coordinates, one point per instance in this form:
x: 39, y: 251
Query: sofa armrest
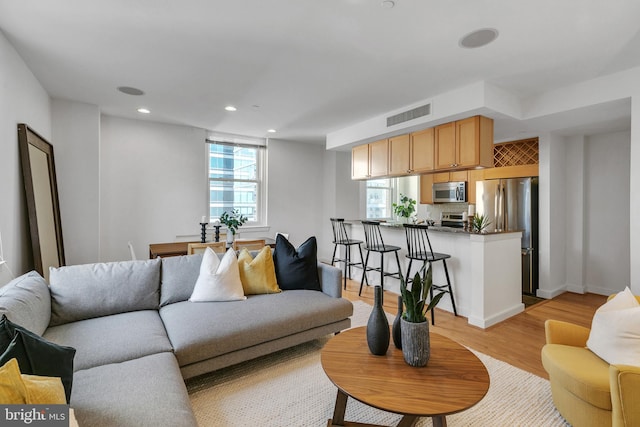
x: 559, y: 332
x: 330, y: 280
x: 625, y: 393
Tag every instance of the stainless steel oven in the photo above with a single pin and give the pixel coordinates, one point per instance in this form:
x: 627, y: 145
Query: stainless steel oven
x: 450, y: 192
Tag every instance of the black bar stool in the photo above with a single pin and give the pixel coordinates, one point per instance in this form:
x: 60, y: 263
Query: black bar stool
x: 340, y: 237
x: 374, y: 243
x: 419, y: 248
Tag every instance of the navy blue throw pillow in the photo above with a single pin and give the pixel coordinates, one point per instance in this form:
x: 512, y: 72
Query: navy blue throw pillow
x: 35, y: 355
x: 296, y: 269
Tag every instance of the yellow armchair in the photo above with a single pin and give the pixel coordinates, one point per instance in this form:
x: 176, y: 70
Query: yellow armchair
x: 586, y: 390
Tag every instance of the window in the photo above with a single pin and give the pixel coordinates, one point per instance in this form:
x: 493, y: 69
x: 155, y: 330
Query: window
x: 236, y: 180
x: 379, y: 198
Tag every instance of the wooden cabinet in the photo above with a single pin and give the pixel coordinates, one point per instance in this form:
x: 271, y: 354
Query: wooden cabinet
x: 457, y: 176
x: 360, y: 162
x: 474, y: 176
x: 400, y: 155
x: 426, y: 190
x: 464, y: 144
x: 411, y: 153
x: 379, y: 158
x: 474, y: 142
x: 445, y: 146
x: 422, y: 151
x: 441, y: 177
x: 455, y: 146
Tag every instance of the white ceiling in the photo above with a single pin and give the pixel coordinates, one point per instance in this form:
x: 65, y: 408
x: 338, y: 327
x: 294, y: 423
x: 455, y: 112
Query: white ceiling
x: 309, y: 67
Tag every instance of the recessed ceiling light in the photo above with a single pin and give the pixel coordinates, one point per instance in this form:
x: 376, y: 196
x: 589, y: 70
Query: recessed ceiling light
x: 388, y: 4
x: 230, y: 108
x: 479, y: 38
x: 130, y: 90
x: 144, y: 110
x: 271, y: 131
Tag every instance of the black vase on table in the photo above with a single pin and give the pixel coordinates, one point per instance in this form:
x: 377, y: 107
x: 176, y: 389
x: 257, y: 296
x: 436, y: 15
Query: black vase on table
x: 396, y: 332
x: 378, y: 327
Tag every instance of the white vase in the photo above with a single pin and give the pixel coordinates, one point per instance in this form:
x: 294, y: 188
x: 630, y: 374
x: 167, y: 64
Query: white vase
x: 230, y: 238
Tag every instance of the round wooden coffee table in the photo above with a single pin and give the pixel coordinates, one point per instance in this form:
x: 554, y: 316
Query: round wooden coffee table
x: 453, y: 380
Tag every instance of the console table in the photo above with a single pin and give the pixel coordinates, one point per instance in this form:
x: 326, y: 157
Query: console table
x: 180, y: 248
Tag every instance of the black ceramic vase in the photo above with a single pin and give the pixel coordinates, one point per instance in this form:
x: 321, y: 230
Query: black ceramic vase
x: 395, y: 329
x: 378, y: 327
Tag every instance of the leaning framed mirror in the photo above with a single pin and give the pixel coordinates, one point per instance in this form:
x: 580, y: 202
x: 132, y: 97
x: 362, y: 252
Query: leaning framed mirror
x: 41, y: 190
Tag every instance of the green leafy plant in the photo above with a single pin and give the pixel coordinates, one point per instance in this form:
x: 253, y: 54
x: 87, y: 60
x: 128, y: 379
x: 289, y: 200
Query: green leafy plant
x: 479, y: 223
x: 232, y: 220
x: 415, y: 300
x: 405, y: 208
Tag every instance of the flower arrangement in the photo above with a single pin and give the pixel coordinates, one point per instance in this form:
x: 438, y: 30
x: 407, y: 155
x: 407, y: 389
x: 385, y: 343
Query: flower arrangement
x: 405, y: 208
x: 232, y: 220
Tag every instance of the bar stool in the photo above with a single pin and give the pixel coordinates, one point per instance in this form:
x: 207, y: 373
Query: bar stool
x: 419, y: 248
x: 374, y: 243
x: 340, y: 237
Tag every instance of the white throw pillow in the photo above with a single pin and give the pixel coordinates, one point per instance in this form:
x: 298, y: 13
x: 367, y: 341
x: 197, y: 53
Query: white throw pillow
x: 219, y: 280
x: 615, y: 330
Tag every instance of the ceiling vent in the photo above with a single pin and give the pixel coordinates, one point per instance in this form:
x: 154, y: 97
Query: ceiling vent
x: 405, y: 116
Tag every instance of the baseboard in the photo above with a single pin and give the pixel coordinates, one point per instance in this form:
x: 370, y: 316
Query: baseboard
x: 496, y: 318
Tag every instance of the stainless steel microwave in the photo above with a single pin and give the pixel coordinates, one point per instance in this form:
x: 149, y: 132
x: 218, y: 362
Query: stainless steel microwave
x: 449, y: 192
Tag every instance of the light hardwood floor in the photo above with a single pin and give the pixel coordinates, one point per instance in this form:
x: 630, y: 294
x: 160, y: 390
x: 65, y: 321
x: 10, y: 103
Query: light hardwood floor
x: 517, y: 340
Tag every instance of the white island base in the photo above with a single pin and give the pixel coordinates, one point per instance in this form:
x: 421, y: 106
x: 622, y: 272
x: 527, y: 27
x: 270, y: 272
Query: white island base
x: 485, y: 271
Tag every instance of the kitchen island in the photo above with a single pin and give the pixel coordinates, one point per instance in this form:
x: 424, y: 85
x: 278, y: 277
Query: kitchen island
x: 485, y: 270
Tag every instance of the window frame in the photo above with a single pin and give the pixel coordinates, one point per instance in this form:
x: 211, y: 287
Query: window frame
x: 260, y: 178
x: 392, y: 188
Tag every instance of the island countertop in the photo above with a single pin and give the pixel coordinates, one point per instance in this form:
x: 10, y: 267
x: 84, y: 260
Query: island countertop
x: 485, y: 269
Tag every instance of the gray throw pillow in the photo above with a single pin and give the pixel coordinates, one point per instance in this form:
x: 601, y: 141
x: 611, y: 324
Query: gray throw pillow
x: 179, y: 276
x: 93, y: 290
x: 26, y: 301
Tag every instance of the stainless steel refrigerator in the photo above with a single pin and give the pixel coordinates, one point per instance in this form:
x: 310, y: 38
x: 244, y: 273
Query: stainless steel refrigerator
x: 512, y: 205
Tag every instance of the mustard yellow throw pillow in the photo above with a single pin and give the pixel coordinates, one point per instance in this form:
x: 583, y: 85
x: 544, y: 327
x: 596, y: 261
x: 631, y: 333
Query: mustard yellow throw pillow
x: 12, y: 389
x: 44, y: 390
x: 258, y: 275
x: 16, y: 388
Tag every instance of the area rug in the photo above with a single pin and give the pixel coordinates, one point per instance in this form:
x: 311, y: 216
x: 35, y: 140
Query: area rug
x: 289, y: 388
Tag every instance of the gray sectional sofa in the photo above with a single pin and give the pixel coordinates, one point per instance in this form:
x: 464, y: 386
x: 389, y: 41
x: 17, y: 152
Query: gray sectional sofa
x: 137, y: 337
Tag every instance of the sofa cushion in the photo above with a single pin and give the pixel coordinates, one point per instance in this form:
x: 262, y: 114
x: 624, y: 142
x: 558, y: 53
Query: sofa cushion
x: 219, y: 280
x: 178, y: 277
x: 258, y: 275
x: 296, y: 268
x: 205, y: 330
x: 36, y: 355
x: 92, y: 290
x: 580, y: 371
x: 27, y: 302
x: 148, y: 391
x: 112, y: 339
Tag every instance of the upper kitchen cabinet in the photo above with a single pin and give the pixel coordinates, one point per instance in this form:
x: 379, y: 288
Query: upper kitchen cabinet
x: 360, y: 162
x: 411, y: 153
x: 464, y: 144
x: 400, y: 155
x: 422, y: 150
x: 379, y: 158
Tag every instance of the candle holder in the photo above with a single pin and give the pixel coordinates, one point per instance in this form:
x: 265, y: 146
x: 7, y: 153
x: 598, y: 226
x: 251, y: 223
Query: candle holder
x: 203, y: 231
x: 217, y: 235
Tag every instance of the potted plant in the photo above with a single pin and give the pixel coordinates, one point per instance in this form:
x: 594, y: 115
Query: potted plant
x: 479, y: 223
x: 232, y: 220
x: 405, y: 208
x: 414, y: 327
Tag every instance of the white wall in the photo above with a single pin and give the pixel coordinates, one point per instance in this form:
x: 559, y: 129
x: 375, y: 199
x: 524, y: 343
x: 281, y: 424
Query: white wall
x: 295, y: 187
x: 22, y: 100
x: 76, y: 132
x: 606, y: 213
x: 153, y: 184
